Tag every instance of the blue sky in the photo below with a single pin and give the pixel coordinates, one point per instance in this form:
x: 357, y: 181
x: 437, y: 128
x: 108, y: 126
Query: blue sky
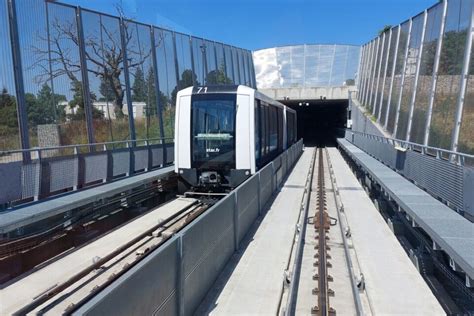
x: 255, y: 24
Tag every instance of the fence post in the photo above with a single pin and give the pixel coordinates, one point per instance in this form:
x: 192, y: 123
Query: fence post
x: 417, y: 75
x: 435, y: 73
x: 402, y: 82
x: 85, y: 78
x: 159, y: 108
x: 193, y: 67
x: 389, y: 99
x: 19, y: 84
x: 463, y: 85
x: 382, y: 90
x: 382, y: 49
x: 126, y: 74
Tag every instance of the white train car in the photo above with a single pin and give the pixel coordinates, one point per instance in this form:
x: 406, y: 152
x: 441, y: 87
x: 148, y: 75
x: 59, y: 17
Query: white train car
x: 224, y: 134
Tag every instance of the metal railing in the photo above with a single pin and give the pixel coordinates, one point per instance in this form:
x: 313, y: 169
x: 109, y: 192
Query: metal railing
x: 49, y: 171
x: 445, y: 174
x: 439, y: 153
x: 194, y: 257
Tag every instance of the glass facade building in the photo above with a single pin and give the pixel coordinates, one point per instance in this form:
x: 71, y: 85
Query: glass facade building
x: 306, y: 66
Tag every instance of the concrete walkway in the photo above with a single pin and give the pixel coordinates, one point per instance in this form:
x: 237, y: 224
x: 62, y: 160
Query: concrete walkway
x: 252, y: 282
x: 393, y: 284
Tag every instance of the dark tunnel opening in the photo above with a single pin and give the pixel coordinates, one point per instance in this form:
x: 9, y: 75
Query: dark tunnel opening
x: 320, y: 122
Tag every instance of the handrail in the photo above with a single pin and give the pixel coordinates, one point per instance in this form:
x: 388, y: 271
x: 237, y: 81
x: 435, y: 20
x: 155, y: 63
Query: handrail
x: 424, y: 148
x: 127, y: 141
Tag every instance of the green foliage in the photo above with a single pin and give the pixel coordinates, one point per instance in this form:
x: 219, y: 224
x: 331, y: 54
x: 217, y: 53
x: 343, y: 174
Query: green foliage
x: 9, y: 138
x: 106, y: 91
x: 350, y: 82
x: 218, y: 76
x: 78, y: 101
x: 385, y: 29
x: 451, y: 58
x: 44, y: 108
x: 187, y: 80
x: 139, y: 88
x: 8, y: 115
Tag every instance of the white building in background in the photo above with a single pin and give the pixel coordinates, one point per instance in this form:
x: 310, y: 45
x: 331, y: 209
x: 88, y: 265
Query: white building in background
x: 139, y: 109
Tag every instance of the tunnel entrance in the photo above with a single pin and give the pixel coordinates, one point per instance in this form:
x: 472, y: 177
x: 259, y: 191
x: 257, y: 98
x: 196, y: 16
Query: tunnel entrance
x: 320, y: 122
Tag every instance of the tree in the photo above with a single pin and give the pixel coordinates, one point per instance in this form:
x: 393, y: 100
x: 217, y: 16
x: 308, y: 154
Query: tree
x: 104, y: 55
x: 139, y: 88
x: 77, y: 103
x: 384, y: 29
x: 8, y: 115
x: 187, y: 80
x: 44, y: 108
x: 218, y: 76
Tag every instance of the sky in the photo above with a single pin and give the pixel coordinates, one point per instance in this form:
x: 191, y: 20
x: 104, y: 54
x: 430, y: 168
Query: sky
x: 256, y: 24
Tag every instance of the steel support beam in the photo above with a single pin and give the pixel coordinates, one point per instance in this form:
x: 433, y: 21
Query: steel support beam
x: 434, y: 79
x: 382, y: 51
x: 225, y: 61
x: 85, y: 78
x: 159, y: 106
x: 238, y: 65
x: 126, y: 74
x: 463, y: 84
x: 367, y: 72
x: 390, y: 90
x: 359, y: 70
x: 417, y: 74
x: 379, y: 114
x: 176, y: 63
x: 402, y: 83
x: 372, y: 84
x: 195, y: 76
x: 364, y: 82
x: 22, y: 113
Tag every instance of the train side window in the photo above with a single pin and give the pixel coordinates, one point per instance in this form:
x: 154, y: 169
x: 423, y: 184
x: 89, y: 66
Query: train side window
x: 257, y: 130
x: 290, y: 128
x: 280, y: 129
x: 293, y: 127
x: 274, y: 130
x: 267, y: 130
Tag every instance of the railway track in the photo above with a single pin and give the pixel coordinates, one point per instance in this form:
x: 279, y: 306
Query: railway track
x: 73, y: 290
x: 28, y: 251
x: 321, y: 225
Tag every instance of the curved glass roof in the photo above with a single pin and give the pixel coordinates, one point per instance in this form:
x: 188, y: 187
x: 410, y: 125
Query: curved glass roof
x: 306, y: 66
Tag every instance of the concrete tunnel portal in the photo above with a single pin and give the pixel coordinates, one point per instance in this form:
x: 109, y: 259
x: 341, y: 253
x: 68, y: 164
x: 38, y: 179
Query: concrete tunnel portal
x: 320, y: 122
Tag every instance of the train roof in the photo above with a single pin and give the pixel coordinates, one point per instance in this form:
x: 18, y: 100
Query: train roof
x: 232, y: 88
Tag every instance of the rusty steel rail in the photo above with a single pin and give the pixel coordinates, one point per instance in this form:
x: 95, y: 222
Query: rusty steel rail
x: 300, y: 235
x: 43, y: 298
x: 322, y: 225
x: 349, y: 264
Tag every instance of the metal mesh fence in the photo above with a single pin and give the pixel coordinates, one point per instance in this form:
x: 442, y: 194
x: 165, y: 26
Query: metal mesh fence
x: 74, y: 76
x: 427, y: 88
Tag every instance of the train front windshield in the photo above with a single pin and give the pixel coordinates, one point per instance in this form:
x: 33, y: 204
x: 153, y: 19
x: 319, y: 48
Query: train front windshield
x: 213, y: 131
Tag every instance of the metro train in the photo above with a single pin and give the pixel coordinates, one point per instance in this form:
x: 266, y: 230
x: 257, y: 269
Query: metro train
x: 224, y: 134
